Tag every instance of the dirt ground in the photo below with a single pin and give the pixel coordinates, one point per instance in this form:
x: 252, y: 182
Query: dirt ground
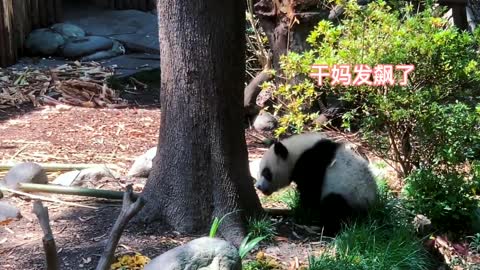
x: 104, y: 136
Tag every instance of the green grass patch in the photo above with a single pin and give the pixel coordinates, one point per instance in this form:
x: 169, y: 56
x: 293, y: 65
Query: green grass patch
x: 372, y: 246
x: 261, y: 227
x: 384, y: 241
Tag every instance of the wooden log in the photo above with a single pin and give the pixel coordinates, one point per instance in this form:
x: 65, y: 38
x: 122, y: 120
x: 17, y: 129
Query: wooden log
x: 51, y: 255
x: 42, y: 9
x: 4, y: 35
x: 142, y: 5
x: 50, y: 10
x: 459, y: 15
x: 58, y: 10
x: 152, y: 4
x: 35, y: 13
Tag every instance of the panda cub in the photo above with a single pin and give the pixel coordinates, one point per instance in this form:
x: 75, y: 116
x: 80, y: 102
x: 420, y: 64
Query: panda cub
x: 334, y: 183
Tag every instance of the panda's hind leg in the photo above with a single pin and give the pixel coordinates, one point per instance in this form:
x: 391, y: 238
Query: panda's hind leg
x: 335, y: 211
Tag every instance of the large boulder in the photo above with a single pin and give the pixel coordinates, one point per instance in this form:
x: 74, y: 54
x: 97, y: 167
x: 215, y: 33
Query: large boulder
x: 44, y: 42
x: 68, y: 31
x: 85, y: 45
x: 28, y: 172
x: 204, y: 253
x: 143, y: 164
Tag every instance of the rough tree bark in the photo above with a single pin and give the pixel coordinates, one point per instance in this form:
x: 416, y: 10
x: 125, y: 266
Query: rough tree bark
x: 287, y: 23
x: 201, y: 168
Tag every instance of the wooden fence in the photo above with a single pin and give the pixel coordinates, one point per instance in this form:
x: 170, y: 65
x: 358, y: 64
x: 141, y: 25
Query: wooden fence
x: 18, y: 18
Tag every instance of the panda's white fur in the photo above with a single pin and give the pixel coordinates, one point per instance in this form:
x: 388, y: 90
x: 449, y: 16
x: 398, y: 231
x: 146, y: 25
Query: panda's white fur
x: 347, y: 174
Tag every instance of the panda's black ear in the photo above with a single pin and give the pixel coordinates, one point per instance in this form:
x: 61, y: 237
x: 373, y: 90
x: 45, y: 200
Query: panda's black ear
x: 280, y: 150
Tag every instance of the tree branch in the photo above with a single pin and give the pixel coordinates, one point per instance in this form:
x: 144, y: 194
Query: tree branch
x: 130, y: 208
x: 252, y: 90
x: 49, y: 246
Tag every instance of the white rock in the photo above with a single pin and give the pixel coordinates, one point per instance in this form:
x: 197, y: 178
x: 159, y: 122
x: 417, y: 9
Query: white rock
x: 143, y: 164
x: 28, y: 172
x: 8, y: 211
x: 265, y: 121
x: 81, y: 177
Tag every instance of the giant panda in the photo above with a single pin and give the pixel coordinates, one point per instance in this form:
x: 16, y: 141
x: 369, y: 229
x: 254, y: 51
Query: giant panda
x: 333, y: 182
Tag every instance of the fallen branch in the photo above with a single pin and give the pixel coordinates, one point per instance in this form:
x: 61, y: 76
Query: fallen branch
x: 78, y: 191
x: 252, y: 90
x: 44, y: 198
x: 53, y: 167
x: 49, y: 246
x: 130, y: 208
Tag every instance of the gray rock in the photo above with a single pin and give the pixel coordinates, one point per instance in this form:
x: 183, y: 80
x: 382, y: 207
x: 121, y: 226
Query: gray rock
x: 321, y: 120
x: 44, y: 42
x: 27, y: 172
x: 68, y: 31
x: 203, y: 253
x: 143, y: 164
x: 82, y: 177
x: 86, y: 45
x: 117, y: 49
x: 137, y: 30
x: 265, y: 121
x: 8, y: 211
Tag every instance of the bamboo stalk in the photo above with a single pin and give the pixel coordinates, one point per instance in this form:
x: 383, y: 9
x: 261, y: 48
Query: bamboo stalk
x: 78, y: 191
x: 44, y: 198
x: 54, y: 167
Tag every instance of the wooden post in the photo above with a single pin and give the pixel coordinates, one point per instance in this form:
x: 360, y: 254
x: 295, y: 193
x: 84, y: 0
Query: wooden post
x: 18, y: 19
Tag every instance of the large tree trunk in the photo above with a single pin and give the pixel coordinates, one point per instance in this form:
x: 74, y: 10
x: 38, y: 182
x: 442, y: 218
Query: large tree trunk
x: 201, y: 168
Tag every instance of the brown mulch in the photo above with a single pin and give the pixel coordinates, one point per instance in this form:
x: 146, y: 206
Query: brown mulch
x: 65, y: 134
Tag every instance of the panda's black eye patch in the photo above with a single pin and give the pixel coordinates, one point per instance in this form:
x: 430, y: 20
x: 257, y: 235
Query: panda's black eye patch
x: 267, y: 174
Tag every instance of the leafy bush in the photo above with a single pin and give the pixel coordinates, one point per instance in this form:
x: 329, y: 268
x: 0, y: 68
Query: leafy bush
x: 399, y: 122
x: 448, y: 199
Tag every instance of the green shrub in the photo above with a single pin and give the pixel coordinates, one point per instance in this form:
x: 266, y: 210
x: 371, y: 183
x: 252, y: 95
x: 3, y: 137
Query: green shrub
x: 399, y: 122
x: 474, y: 244
x: 448, y: 199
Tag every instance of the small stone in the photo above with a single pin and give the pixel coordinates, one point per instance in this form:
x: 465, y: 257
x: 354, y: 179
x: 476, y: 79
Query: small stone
x: 27, y: 172
x: 143, y: 164
x: 321, y: 120
x: 204, y: 253
x: 44, y: 42
x: 68, y: 31
x: 265, y: 121
x: 8, y: 211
